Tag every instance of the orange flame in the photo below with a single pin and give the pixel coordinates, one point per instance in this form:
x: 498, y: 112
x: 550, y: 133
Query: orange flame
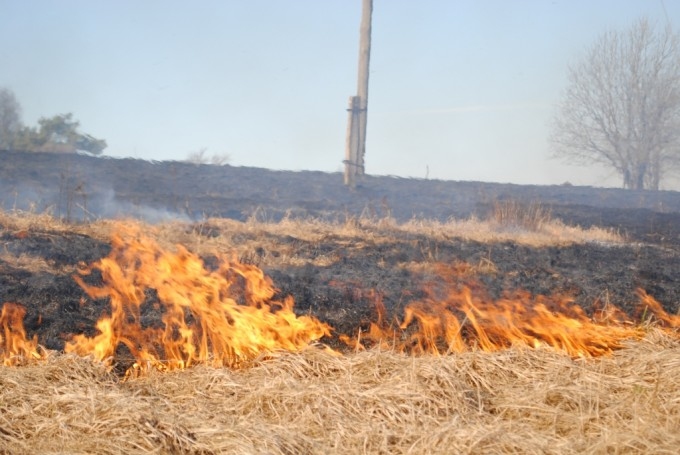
x: 462, y: 320
x: 222, y: 317
x: 15, y: 348
x: 169, y: 311
x: 649, y: 306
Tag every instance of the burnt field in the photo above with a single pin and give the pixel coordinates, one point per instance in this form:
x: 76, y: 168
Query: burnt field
x: 573, y: 292
x: 336, y: 273
x: 76, y: 187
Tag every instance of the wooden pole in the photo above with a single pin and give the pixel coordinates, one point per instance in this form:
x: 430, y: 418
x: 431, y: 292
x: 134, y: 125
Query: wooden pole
x: 362, y: 86
x: 355, y: 147
x: 352, y: 142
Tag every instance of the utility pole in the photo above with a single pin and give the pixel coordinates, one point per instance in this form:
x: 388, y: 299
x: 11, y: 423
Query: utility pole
x: 355, y: 147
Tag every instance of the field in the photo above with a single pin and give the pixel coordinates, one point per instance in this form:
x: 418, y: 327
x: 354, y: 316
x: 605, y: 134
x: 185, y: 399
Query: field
x: 512, y: 320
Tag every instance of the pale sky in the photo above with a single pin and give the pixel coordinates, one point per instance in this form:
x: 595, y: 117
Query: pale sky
x: 459, y: 89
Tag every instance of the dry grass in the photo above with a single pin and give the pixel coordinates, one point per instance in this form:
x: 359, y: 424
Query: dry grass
x: 554, y: 232
x: 20, y: 223
x: 515, y: 214
x: 529, y: 225
x: 260, y: 242
x: 17, y: 221
x: 514, y: 401
x: 244, y: 238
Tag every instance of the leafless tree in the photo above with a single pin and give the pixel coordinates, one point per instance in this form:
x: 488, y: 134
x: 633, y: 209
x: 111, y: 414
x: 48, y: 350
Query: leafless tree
x: 10, y: 118
x: 200, y: 157
x: 621, y: 107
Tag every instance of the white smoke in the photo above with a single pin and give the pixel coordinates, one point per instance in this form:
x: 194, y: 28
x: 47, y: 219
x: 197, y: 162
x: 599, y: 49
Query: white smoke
x: 106, y: 205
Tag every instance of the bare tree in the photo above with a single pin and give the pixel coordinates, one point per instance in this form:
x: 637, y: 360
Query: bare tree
x: 10, y: 118
x: 200, y: 157
x: 622, y: 106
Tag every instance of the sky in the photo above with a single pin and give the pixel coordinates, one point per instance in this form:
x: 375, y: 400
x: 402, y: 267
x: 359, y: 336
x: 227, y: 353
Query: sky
x: 458, y: 90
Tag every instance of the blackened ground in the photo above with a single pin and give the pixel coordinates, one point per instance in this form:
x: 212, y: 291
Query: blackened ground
x: 83, y: 187
x: 343, y: 291
x: 50, y: 295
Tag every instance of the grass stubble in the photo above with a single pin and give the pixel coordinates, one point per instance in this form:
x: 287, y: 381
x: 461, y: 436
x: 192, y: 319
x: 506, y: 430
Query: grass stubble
x: 517, y: 400
x: 512, y: 401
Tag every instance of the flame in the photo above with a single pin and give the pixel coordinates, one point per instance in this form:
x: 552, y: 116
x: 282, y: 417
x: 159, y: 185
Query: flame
x: 222, y: 317
x: 15, y: 348
x: 464, y: 319
x: 169, y: 311
x: 649, y: 306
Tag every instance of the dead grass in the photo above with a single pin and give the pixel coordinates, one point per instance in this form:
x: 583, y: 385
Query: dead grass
x: 514, y: 401
x: 229, y: 234
x: 278, y: 243
x: 514, y: 214
x: 17, y: 221
x: 20, y: 223
x: 531, y: 225
x: 553, y: 233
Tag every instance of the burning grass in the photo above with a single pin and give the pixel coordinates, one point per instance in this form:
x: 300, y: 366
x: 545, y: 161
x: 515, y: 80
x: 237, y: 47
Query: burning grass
x: 511, y: 401
x: 227, y: 315
x: 15, y: 347
x: 521, y: 374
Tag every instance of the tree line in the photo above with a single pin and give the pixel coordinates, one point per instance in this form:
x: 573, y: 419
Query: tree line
x: 59, y: 133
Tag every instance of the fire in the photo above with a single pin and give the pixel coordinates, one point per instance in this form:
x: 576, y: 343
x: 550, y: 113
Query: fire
x: 168, y: 310
x: 650, y: 306
x: 223, y: 317
x: 15, y: 348
x: 463, y: 319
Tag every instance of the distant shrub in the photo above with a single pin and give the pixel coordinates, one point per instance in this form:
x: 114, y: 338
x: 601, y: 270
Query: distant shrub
x: 514, y: 214
x: 201, y: 157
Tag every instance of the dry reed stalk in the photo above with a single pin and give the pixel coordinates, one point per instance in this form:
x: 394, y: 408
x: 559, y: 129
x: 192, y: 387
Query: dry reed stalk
x: 549, y: 233
x: 215, y: 234
x: 513, y: 401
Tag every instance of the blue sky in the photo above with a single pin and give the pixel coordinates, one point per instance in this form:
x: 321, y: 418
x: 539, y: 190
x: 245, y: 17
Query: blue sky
x: 459, y: 89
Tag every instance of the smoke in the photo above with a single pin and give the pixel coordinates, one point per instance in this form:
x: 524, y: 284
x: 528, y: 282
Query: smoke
x: 27, y: 198
x: 81, y: 206
x: 106, y: 205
